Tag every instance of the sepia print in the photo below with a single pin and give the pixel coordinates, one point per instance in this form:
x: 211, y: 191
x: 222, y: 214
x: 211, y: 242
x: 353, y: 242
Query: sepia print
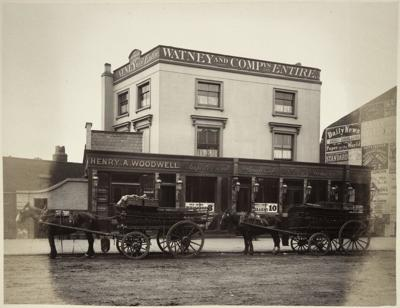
x: 167, y: 153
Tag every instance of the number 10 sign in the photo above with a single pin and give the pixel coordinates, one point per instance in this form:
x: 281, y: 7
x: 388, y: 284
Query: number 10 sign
x: 261, y: 208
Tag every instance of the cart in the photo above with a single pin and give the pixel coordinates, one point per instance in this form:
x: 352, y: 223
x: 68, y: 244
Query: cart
x: 321, y: 229
x: 179, y: 232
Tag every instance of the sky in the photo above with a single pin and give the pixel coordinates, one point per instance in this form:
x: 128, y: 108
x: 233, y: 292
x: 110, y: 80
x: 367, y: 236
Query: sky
x: 53, y: 55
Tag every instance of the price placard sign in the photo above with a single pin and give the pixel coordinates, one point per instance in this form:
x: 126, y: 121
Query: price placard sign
x: 201, y: 206
x: 262, y: 208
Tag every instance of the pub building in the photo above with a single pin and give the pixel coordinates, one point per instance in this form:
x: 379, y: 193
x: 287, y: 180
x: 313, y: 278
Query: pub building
x: 192, y: 128
x: 179, y: 181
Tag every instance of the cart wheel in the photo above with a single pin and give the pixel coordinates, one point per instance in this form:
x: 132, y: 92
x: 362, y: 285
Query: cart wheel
x: 135, y: 245
x: 299, y: 243
x: 105, y: 245
x: 354, y: 237
x: 319, y: 244
x: 162, y: 240
x: 335, y: 246
x: 185, y: 239
x: 118, y: 245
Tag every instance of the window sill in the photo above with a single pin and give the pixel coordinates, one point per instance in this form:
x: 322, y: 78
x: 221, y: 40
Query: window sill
x: 284, y: 115
x: 143, y: 108
x: 122, y: 116
x: 208, y: 107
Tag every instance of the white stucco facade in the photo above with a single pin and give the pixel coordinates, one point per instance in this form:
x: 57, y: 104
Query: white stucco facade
x: 246, y: 116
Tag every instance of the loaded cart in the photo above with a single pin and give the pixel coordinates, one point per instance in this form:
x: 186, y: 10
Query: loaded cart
x: 321, y: 228
x: 177, y: 231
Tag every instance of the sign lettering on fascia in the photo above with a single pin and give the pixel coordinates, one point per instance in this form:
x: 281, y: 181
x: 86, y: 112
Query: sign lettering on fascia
x: 178, y: 55
x: 136, y: 64
x: 132, y: 163
x: 239, y: 64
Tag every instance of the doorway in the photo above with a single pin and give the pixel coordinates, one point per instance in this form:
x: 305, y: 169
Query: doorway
x: 167, y: 195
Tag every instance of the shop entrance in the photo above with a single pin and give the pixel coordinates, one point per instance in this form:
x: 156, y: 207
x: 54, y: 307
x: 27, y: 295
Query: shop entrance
x: 294, y: 193
x: 168, y: 195
x: 244, y: 195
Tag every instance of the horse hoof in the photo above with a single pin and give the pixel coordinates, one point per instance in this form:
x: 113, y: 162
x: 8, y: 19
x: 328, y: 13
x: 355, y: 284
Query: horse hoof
x: 89, y: 255
x: 51, y: 256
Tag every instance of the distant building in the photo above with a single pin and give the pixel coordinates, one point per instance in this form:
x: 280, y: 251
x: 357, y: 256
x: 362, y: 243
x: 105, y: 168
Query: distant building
x: 21, y: 174
x: 367, y: 136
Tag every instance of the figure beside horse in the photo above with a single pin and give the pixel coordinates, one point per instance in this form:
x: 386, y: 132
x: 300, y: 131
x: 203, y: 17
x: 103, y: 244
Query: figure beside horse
x: 50, y: 219
x: 232, y: 221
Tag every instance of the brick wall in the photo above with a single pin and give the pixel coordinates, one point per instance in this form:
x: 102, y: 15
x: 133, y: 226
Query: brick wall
x: 117, y: 141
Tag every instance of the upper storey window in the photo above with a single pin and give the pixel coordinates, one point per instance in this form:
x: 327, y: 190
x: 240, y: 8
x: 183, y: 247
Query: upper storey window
x: 208, y: 94
x: 208, y: 141
x: 123, y: 102
x: 143, y: 100
x: 284, y: 103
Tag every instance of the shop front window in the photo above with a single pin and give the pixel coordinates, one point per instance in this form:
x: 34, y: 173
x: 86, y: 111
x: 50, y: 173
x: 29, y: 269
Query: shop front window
x: 319, y: 191
x: 200, y: 189
x: 268, y: 191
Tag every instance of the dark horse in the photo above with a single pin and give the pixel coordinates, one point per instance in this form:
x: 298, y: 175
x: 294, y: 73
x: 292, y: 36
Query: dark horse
x: 232, y: 221
x: 77, y: 220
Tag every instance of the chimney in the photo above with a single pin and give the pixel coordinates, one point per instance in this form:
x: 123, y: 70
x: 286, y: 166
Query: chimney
x: 107, y: 86
x: 88, y: 127
x: 60, y: 155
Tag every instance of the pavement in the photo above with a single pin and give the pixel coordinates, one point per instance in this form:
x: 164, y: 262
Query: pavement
x: 217, y: 245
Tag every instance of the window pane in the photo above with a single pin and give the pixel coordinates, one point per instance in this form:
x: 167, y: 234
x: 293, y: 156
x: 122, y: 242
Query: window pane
x: 213, y: 88
x: 207, y: 141
x: 284, y: 102
x: 208, y: 94
x: 122, y: 103
x: 213, y: 99
x: 144, y: 95
x: 202, y: 99
x: 202, y: 86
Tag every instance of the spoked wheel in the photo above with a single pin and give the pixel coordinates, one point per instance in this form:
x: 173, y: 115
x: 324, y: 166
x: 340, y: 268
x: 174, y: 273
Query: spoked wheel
x: 135, y: 245
x: 319, y: 244
x: 185, y: 239
x: 299, y: 243
x: 162, y: 240
x: 335, y: 246
x: 354, y: 237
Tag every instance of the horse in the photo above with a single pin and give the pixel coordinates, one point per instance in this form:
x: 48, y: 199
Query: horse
x: 232, y: 221
x: 77, y: 220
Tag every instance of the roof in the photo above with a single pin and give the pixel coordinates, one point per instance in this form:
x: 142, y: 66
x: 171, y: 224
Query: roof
x: 35, y: 174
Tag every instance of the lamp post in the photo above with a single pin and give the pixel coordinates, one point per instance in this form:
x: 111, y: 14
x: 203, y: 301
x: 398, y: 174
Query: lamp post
x: 179, y: 186
x: 308, y: 192
x: 157, y: 188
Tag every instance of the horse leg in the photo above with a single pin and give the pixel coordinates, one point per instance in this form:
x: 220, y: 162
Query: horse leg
x: 246, y: 245
x: 53, y: 250
x: 276, y: 238
x: 250, y: 239
x: 90, y: 251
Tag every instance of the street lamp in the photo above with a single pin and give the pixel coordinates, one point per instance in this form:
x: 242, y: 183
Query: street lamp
x: 284, y: 189
x: 179, y: 184
x: 308, y: 192
x: 256, y: 187
x: 158, y: 183
x: 237, y: 186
